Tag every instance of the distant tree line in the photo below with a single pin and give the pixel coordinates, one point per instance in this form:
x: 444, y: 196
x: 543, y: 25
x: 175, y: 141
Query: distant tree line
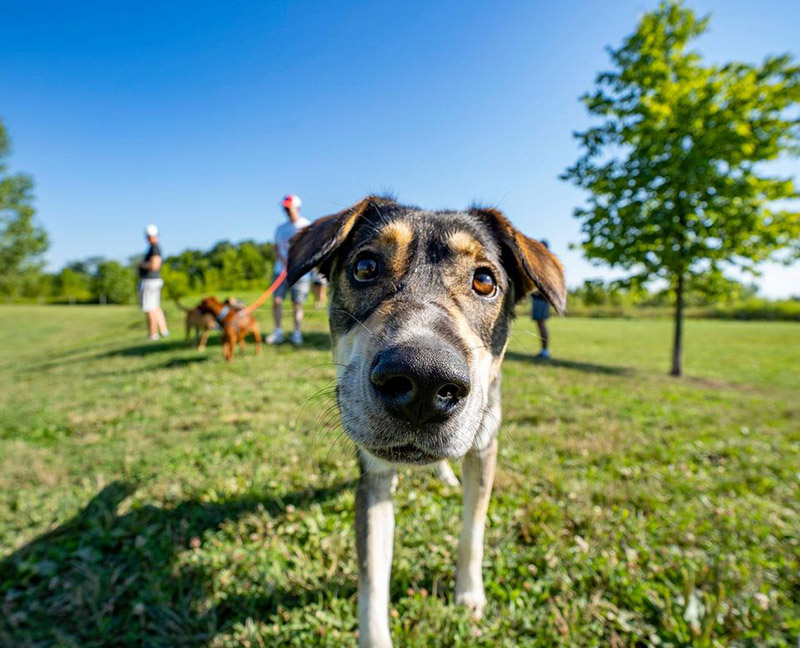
x: 721, y: 298
x: 225, y: 267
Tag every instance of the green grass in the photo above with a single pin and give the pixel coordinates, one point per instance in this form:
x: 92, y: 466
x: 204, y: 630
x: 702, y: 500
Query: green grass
x: 153, y: 495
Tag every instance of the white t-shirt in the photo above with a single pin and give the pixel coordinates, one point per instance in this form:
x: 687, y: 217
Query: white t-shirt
x: 282, y: 236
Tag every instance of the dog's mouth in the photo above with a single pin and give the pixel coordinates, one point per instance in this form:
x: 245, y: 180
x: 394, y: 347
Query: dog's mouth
x: 408, y: 453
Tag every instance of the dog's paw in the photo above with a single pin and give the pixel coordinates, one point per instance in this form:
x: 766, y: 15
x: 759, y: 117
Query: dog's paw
x: 473, y: 600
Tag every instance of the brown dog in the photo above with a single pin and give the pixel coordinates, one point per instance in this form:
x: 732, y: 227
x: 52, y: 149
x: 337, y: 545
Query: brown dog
x: 199, y: 322
x: 235, y: 323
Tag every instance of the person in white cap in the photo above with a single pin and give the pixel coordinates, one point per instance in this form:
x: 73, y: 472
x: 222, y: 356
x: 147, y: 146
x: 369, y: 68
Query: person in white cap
x: 291, y: 205
x: 150, y: 283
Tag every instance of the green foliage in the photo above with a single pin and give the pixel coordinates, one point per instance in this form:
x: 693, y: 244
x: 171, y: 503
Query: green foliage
x: 113, y: 283
x: 595, y: 292
x: 674, y: 170
x: 226, y: 266
x: 151, y: 495
x: 22, y: 242
x: 724, y: 299
x: 73, y: 285
x: 754, y: 308
x: 176, y: 282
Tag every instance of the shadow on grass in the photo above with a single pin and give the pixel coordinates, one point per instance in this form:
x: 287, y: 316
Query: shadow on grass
x: 317, y: 340
x: 159, y: 346
x: 313, y: 340
x: 178, y: 363
x: 106, y: 578
x: 587, y: 367
x: 139, y: 350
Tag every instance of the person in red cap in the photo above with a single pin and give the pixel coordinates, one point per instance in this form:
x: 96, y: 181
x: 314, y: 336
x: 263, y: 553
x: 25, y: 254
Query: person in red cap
x: 291, y: 205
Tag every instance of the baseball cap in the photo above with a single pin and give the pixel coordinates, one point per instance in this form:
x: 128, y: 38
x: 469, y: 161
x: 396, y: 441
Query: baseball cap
x: 291, y: 200
x: 151, y: 230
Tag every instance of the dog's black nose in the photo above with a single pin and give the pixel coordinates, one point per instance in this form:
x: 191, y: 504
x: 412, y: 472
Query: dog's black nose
x: 420, y: 384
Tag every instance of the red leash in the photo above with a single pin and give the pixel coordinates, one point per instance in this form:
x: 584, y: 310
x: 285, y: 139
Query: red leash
x: 265, y: 295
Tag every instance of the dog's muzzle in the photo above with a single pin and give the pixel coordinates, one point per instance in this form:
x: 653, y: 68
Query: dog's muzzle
x: 420, y: 384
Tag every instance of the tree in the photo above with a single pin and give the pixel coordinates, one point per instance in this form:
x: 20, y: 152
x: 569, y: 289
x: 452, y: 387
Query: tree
x: 73, y: 285
x: 113, y: 282
x: 678, y: 188
x: 176, y: 281
x: 22, y: 242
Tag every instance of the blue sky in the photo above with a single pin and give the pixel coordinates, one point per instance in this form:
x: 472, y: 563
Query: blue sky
x: 200, y: 116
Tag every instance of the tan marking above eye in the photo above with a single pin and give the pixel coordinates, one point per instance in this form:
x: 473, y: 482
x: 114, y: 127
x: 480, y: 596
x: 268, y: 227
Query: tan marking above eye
x: 463, y: 243
x: 395, y: 239
x: 396, y: 233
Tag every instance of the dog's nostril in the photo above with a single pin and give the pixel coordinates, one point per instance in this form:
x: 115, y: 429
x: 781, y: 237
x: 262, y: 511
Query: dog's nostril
x: 396, y: 386
x: 448, y: 392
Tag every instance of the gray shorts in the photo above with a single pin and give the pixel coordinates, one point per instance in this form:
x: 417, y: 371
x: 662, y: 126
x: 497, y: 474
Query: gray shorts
x: 150, y: 294
x: 317, y: 278
x: 299, y: 289
x: 541, y: 309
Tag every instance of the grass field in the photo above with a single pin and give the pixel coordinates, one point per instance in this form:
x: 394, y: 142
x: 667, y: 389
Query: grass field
x: 151, y: 495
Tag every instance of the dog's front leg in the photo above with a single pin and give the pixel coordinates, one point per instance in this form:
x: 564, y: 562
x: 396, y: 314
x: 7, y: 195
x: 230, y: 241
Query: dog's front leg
x: 477, y: 475
x: 374, y: 539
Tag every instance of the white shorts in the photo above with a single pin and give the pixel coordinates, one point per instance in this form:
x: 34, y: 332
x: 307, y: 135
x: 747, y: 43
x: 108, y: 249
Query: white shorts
x: 150, y: 294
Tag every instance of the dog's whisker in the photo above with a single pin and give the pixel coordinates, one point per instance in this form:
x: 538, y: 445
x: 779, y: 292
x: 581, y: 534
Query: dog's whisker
x: 326, y: 364
x: 526, y: 347
x: 339, y: 437
x: 327, y: 417
x: 324, y: 391
x: 502, y: 428
x: 328, y: 420
x: 364, y: 326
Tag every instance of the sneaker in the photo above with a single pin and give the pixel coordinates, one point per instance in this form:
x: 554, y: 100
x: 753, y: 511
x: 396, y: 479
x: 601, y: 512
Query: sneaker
x: 276, y: 337
x: 153, y: 337
x: 165, y: 334
x: 544, y: 354
x: 297, y: 338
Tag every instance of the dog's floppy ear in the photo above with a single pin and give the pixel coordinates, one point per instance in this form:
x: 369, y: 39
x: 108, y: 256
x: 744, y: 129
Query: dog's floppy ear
x: 313, y: 246
x: 530, y: 264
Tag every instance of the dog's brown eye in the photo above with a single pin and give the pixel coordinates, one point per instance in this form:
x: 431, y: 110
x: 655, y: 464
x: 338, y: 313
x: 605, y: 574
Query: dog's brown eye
x: 365, y: 268
x: 483, y: 282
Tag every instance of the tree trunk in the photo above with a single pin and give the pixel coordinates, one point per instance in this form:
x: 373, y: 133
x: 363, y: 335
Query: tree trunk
x: 677, y: 344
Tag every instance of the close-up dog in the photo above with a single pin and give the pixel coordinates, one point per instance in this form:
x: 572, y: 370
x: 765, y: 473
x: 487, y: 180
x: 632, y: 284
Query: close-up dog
x: 421, y: 304
x: 236, y: 324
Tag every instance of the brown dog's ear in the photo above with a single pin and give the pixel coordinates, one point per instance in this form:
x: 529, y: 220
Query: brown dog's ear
x: 313, y: 246
x: 530, y: 264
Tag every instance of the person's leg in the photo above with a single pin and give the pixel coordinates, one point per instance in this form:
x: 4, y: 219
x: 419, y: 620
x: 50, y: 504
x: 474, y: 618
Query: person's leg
x: 276, y: 337
x: 299, y: 295
x: 152, y: 323
x: 317, y: 289
x: 161, y: 321
x: 298, y: 316
x: 323, y: 293
x: 543, y: 334
x: 277, y: 311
